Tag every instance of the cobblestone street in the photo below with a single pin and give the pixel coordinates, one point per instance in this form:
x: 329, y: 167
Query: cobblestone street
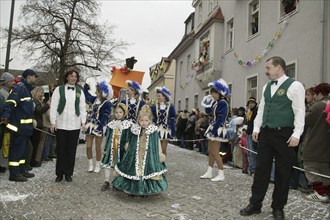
x: 188, y: 196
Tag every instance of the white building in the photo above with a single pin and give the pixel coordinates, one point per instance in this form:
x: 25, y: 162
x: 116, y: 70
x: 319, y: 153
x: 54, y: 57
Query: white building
x: 233, y: 39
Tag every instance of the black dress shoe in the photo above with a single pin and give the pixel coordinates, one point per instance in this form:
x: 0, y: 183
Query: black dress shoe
x: 278, y: 214
x: 17, y: 178
x: 59, y: 179
x: 249, y: 210
x: 28, y: 175
x: 2, y: 169
x: 68, y: 178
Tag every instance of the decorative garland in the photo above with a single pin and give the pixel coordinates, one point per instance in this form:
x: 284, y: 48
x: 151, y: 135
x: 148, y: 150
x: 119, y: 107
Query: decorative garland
x: 259, y: 57
x: 123, y: 69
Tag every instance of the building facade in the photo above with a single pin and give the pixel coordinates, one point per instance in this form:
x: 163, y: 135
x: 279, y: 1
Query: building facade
x: 233, y: 40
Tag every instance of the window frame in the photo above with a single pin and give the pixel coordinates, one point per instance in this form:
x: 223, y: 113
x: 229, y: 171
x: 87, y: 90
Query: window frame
x: 186, y: 103
x: 251, y: 14
x: 196, y: 101
x: 295, y: 63
x: 232, y: 31
x: 249, y: 89
x: 282, y: 16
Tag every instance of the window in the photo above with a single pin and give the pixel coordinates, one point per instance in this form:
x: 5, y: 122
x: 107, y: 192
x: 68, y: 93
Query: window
x: 180, y: 69
x: 196, y: 101
x: 288, y: 7
x: 188, y: 64
x: 230, y: 34
x: 179, y: 105
x: 204, y: 47
x: 253, y: 17
x: 290, y: 70
x: 252, y: 86
x: 200, y: 13
x: 187, y: 104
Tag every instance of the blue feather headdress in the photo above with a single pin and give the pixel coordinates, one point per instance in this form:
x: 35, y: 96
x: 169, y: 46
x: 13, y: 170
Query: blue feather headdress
x: 106, y: 90
x: 220, y: 86
x: 164, y: 91
x: 135, y: 86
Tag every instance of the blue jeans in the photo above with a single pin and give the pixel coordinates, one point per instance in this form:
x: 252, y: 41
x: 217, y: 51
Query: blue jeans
x: 252, y: 157
x: 48, y: 143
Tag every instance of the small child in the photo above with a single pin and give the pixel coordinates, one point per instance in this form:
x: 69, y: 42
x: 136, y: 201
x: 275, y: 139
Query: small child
x: 141, y: 172
x: 244, y: 144
x: 116, y: 137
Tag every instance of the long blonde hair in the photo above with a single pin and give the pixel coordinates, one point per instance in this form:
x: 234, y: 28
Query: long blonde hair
x: 36, y: 91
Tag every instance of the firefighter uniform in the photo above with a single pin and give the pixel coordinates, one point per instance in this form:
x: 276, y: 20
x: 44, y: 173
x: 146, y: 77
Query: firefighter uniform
x: 18, y: 116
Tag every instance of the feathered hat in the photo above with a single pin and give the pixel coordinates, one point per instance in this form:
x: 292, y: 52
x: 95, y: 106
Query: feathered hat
x: 220, y: 86
x: 164, y: 91
x: 136, y: 86
x: 106, y: 90
x: 123, y: 107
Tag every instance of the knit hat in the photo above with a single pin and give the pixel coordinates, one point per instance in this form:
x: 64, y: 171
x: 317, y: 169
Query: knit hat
x: 220, y: 86
x: 7, y: 77
x: 163, y: 90
x: 106, y: 90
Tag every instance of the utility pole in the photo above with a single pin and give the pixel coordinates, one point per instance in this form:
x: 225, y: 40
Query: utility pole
x: 9, y: 35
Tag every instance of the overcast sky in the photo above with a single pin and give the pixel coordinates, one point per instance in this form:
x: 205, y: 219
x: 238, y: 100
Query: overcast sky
x: 154, y: 28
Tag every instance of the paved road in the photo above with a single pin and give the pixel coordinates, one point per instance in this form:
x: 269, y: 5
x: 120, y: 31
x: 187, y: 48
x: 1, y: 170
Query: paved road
x: 188, y: 197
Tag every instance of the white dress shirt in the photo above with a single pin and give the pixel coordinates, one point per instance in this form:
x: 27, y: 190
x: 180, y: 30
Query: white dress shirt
x: 68, y: 120
x: 296, y: 93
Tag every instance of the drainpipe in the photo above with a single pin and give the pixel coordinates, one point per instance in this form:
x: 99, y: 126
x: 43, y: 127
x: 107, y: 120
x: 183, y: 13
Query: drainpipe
x: 323, y: 41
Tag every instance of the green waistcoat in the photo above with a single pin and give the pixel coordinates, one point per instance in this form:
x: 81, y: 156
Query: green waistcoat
x: 278, y: 109
x: 62, y: 100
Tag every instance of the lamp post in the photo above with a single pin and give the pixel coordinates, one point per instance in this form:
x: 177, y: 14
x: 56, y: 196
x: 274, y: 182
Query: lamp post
x: 9, y: 35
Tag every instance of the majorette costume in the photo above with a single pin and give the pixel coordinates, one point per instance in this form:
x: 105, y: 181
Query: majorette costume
x: 219, y: 109
x: 134, y: 104
x: 116, y: 139
x: 164, y: 115
x: 141, y: 172
x: 98, y: 115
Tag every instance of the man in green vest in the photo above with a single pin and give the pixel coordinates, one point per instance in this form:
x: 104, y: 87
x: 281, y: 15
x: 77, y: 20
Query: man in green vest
x: 277, y: 129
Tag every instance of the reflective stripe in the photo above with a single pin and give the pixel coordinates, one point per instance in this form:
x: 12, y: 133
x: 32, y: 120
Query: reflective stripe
x: 25, y: 99
x: 13, y: 164
x: 13, y: 101
x: 12, y: 127
x: 21, y: 162
x: 26, y: 121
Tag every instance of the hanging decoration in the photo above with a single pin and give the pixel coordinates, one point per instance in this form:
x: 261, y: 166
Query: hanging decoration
x: 258, y: 57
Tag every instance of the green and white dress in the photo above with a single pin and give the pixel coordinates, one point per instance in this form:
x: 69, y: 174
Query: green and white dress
x: 116, y: 139
x: 141, y: 172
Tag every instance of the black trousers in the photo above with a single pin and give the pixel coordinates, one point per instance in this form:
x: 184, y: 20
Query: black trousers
x: 17, y: 153
x: 272, y: 143
x: 66, y: 148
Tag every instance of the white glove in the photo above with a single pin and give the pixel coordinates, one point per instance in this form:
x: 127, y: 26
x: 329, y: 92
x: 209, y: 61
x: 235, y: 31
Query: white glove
x: 207, y: 101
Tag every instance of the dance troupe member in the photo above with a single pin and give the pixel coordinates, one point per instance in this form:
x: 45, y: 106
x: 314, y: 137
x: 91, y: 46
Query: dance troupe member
x: 97, y: 119
x: 116, y: 139
x: 216, y: 132
x: 133, y: 100
x: 164, y: 116
x: 141, y: 172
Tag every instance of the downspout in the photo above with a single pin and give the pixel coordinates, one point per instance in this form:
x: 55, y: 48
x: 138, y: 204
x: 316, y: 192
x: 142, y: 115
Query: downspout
x: 323, y: 43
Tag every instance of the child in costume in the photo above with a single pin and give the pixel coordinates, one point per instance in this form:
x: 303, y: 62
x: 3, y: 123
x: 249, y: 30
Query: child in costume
x: 141, y: 172
x: 133, y: 100
x: 116, y: 139
x: 216, y: 105
x: 164, y: 116
x: 97, y: 118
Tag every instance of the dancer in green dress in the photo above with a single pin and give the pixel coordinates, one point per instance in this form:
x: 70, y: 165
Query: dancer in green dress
x: 116, y: 139
x: 141, y: 172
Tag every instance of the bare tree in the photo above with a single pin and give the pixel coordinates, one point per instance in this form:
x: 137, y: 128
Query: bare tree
x: 65, y: 34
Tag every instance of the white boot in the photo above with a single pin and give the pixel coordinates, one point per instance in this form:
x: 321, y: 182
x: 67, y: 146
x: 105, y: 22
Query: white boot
x: 208, y: 174
x: 90, y: 165
x: 219, y: 177
x: 97, y: 167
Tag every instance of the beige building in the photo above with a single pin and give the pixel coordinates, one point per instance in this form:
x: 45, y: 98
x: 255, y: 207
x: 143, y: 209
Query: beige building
x: 162, y: 74
x: 233, y: 39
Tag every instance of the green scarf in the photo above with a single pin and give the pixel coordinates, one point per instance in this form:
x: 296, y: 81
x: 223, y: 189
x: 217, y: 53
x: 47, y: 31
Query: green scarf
x: 62, y: 101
